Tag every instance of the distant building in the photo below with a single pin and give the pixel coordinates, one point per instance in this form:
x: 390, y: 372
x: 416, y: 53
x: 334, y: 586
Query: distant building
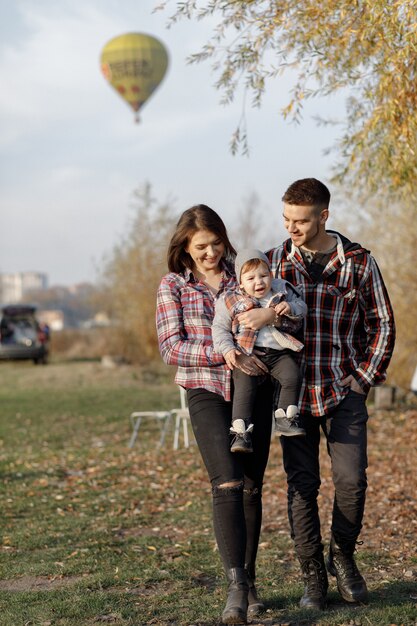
x: 13, y: 287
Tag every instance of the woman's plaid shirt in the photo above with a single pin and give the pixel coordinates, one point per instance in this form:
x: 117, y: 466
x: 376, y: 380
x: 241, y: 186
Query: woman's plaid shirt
x: 349, y: 327
x: 184, y: 317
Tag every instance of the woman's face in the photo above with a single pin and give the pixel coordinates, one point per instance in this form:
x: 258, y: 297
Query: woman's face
x: 206, y: 250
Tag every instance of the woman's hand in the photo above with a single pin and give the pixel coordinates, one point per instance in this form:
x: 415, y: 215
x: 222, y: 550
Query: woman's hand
x: 257, y: 318
x: 230, y: 358
x: 251, y: 365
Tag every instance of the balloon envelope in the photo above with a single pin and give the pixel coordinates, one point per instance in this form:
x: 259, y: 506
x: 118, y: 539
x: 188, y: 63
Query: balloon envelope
x: 134, y: 64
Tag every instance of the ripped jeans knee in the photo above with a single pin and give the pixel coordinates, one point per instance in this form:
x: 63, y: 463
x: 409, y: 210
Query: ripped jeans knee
x: 253, y: 492
x: 252, y: 496
x: 231, y: 487
x: 228, y: 488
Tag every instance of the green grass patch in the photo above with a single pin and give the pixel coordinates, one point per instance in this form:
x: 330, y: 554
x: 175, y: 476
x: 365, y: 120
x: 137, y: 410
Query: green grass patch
x: 94, y: 532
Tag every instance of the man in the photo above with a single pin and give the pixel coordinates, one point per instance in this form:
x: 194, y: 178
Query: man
x: 349, y: 339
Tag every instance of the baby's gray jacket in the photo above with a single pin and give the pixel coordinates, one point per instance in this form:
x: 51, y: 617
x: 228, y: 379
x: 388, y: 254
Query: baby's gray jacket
x: 222, y: 324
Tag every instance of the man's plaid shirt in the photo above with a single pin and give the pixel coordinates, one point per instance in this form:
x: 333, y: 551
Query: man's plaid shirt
x: 349, y: 327
x: 184, y: 317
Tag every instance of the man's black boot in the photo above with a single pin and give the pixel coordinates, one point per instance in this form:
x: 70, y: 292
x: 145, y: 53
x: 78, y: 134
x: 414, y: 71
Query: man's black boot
x: 255, y: 605
x: 236, y: 609
x: 350, y: 582
x: 315, y: 582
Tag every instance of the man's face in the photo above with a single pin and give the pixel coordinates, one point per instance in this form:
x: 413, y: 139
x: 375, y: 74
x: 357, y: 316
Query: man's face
x: 256, y: 282
x: 305, y: 224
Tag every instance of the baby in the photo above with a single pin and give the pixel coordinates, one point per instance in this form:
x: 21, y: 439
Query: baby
x: 275, y: 347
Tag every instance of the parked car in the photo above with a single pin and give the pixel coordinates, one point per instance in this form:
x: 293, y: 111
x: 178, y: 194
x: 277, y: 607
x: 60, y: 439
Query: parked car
x: 21, y: 335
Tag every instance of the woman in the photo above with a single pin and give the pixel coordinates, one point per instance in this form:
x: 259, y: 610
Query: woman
x: 199, y: 260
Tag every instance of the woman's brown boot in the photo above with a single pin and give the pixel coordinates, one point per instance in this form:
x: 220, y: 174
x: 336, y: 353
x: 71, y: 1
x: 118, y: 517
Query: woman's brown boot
x: 236, y: 609
x: 255, y: 605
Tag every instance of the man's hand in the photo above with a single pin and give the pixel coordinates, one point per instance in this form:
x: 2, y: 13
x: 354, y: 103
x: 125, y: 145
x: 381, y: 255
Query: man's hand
x: 250, y: 365
x: 257, y: 318
x: 230, y: 358
x: 353, y: 384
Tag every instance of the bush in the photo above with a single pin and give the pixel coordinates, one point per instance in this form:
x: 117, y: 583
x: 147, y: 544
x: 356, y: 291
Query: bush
x: 131, y: 276
x: 92, y: 343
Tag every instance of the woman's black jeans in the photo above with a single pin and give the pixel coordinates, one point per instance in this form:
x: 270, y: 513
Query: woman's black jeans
x: 237, y: 509
x: 345, y: 428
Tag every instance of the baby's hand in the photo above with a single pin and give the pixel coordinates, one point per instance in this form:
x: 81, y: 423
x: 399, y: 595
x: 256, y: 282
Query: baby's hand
x: 230, y: 358
x: 283, y: 308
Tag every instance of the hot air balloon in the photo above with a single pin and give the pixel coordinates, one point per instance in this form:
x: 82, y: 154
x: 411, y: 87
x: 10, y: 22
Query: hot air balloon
x: 134, y: 64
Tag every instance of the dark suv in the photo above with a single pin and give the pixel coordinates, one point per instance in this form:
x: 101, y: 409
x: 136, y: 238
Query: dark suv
x: 21, y: 335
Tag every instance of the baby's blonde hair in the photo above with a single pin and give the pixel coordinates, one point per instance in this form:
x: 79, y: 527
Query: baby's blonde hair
x: 252, y: 264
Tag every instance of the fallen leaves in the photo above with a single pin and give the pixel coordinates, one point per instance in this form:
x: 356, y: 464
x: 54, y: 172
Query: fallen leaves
x: 390, y: 521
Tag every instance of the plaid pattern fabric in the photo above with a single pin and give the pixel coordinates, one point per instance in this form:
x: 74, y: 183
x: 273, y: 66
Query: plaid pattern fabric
x: 245, y: 337
x: 237, y: 303
x: 184, y: 316
x: 349, y: 327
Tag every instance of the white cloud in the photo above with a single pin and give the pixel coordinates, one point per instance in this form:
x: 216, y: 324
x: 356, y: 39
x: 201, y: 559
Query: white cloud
x: 53, y: 74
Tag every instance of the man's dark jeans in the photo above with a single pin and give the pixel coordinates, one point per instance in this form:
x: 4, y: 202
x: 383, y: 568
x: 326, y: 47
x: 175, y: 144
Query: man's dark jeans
x: 345, y: 429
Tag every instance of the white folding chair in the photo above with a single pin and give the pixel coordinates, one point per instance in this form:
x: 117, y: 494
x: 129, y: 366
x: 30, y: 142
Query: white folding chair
x: 163, y: 418
x: 181, y: 415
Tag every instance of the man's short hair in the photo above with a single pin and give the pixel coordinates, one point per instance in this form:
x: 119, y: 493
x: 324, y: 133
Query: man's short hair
x: 307, y: 192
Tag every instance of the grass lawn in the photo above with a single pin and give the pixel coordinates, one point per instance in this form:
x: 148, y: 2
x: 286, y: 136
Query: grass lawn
x: 96, y: 533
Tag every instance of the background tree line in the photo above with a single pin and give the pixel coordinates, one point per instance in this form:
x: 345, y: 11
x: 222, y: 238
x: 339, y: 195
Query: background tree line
x: 133, y: 269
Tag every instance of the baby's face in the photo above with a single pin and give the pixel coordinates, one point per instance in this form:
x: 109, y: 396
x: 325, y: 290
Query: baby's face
x: 256, y: 282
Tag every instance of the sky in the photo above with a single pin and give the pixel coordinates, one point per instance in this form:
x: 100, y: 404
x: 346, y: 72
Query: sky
x: 71, y: 155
